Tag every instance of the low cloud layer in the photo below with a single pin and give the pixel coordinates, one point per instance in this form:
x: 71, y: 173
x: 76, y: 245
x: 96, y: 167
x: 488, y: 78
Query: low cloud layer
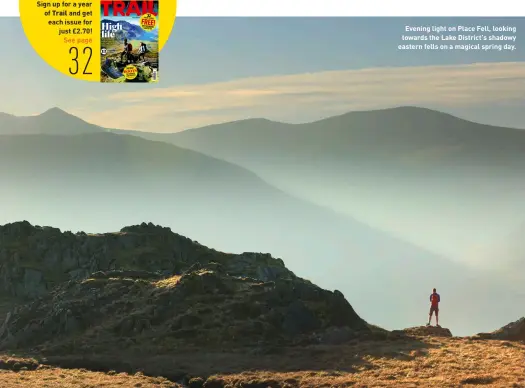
x: 306, y: 97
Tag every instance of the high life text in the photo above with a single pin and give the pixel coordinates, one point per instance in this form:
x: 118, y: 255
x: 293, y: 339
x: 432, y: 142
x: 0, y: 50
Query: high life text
x: 108, y: 30
x: 127, y: 8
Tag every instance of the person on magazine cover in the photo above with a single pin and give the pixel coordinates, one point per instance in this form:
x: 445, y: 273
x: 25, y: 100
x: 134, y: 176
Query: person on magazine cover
x: 142, y: 51
x: 128, y: 48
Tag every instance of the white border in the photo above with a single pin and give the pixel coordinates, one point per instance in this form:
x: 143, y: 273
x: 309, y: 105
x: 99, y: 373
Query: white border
x: 500, y: 8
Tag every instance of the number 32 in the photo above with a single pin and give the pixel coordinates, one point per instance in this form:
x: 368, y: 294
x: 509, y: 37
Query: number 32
x: 74, y: 50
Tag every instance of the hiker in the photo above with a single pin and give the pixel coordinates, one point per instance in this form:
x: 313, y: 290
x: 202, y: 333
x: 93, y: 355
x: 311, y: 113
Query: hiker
x: 434, y: 307
x: 143, y: 50
x: 127, y: 51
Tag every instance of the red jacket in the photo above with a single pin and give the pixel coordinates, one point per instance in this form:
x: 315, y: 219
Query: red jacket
x: 435, y: 299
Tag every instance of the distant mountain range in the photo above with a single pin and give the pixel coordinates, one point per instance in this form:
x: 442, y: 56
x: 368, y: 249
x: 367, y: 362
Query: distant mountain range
x: 97, y: 180
x: 405, y: 143
x: 443, y: 182
x: 407, y: 135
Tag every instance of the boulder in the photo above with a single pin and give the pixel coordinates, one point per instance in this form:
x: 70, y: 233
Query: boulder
x: 514, y: 331
x: 427, y: 331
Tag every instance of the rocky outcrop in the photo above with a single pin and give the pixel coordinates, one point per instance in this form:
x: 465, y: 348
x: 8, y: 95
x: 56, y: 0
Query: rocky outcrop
x: 423, y: 331
x: 139, y: 311
x: 514, y: 331
x: 146, y: 287
x: 35, y: 259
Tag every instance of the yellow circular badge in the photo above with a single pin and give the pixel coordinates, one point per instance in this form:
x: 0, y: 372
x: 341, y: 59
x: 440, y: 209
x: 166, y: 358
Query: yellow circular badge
x: 96, y: 40
x: 148, y: 22
x: 130, y: 72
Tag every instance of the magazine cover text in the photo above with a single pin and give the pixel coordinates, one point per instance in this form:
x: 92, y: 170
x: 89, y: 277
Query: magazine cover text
x: 129, y: 41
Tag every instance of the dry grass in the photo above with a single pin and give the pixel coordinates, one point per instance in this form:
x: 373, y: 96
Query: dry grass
x: 417, y: 362
x: 168, y: 283
x: 27, y: 372
x: 53, y: 377
x: 444, y: 363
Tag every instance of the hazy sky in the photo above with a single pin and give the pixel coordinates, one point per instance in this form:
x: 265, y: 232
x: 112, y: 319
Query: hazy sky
x: 290, y: 69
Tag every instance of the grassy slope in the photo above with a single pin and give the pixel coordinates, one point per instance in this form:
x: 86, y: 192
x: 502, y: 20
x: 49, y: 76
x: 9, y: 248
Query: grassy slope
x: 437, y: 362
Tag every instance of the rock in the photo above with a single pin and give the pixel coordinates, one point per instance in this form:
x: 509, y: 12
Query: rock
x: 514, y: 331
x: 97, y: 292
x: 298, y: 319
x: 67, y: 260
x: 214, y: 382
x: 428, y: 331
x: 259, y: 266
x: 396, y: 334
x: 132, y: 274
x: 78, y: 274
x: 196, y: 382
x: 337, y: 335
x: 3, y: 329
x: 342, y: 312
x: 34, y: 284
x: 194, y: 267
x: 196, y: 309
x: 35, y: 259
x: 72, y: 325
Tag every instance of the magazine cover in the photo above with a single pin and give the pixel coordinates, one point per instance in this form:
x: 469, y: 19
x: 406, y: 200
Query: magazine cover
x: 129, y: 41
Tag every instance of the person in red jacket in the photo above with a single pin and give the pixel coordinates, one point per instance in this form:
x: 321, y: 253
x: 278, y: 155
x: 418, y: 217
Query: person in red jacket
x: 128, y: 48
x: 434, y: 307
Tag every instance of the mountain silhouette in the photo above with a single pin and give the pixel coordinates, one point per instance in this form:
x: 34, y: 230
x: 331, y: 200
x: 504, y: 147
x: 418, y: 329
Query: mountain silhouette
x: 381, y: 145
x: 53, y: 121
x: 397, y: 135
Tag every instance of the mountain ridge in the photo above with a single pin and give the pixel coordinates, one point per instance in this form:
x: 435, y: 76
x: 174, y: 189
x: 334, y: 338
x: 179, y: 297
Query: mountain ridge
x: 53, y: 121
x: 402, y: 109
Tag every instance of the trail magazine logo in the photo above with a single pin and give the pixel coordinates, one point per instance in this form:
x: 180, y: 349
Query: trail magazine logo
x: 129, y: 41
